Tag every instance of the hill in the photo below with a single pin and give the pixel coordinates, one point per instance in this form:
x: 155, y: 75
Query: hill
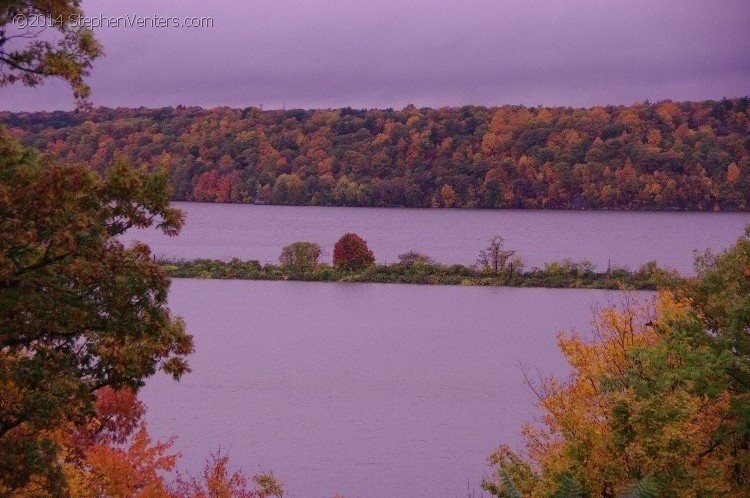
x: 662, y: 156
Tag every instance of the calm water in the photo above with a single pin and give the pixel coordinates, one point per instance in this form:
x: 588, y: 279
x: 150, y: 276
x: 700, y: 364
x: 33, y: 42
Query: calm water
x: 363, y: 389
x: 382, y: 390
x: 451, y: 236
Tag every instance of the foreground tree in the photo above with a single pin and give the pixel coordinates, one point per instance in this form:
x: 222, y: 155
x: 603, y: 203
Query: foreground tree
x: 656, y: 405
x: 300, y: 257
x: 83, y: 320
x: 28, y: 54
x: 218, y: 482
x: 112, y: 454
x: 79, y: 310
x: 351, y: 253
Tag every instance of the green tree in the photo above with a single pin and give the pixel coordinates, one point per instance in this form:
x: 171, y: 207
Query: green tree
x: 721, y: 296
x: 300, y: 257
x: 79, y: 310
x: 287, y: 189
x: 657, y: 401
x: 29, y: 56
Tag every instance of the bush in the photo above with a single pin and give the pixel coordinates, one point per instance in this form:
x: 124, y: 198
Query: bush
x: 300, y: 257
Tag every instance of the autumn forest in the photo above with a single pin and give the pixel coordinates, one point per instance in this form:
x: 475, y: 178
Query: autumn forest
x: 143, y: 354
x: 650, y: 156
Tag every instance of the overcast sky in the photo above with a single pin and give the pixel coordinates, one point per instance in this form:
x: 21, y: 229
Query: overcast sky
x: 373, y: 53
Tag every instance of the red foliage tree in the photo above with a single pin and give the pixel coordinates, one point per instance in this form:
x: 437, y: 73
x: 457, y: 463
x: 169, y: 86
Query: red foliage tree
x: 351, y: 253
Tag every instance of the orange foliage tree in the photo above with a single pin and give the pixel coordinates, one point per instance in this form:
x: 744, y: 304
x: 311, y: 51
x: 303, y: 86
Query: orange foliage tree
x: 112, y: 454
x: 656, y: 404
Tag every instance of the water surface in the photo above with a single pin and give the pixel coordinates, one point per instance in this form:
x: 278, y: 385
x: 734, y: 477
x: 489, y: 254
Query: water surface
x: 451, y: 235
x: 384, y: 390
x: 363, y: 389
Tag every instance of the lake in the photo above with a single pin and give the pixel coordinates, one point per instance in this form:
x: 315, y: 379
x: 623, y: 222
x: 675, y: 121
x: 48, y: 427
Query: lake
x: 384, y: 390
x: 630, y: 239
x: 362, y: 389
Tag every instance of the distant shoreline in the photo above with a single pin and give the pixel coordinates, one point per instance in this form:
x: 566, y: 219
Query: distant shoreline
x: 479, y: 208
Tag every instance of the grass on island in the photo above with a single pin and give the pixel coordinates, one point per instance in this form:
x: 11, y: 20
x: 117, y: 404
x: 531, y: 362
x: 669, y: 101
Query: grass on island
x: 561, y: 274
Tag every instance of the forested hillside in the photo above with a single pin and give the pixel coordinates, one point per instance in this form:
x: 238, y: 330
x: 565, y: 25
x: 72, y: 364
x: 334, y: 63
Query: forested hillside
x: 668, y: 155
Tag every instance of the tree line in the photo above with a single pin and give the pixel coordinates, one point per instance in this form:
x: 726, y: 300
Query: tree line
x: 648, y: 156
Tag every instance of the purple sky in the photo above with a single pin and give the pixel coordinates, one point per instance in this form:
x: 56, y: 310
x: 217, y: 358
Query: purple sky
x: 334, y: 53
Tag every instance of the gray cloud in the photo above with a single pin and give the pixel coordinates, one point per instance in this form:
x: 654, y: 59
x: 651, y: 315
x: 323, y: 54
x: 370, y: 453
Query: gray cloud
x: 332, y: 53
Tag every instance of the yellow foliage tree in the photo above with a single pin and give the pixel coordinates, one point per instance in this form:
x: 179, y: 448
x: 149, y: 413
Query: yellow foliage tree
x: 658, y: 399
x: 447, y: 196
